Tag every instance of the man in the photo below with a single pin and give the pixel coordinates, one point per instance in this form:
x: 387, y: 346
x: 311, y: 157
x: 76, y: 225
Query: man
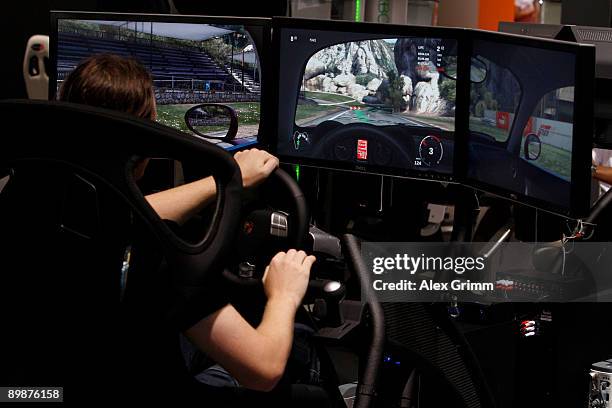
x: 602, y: 170
x: 255, y: 356
x: 527, y: 11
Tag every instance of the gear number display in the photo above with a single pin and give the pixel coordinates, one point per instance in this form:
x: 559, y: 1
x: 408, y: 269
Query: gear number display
x: 431, y: 151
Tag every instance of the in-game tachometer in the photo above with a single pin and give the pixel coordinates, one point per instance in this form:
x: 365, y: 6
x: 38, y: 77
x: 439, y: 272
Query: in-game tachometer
x: 431, y: 151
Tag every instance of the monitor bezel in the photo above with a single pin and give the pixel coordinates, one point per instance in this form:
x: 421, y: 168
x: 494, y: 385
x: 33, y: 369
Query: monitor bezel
x: 263, y: 50
x: 393, y: 30
x: 580, y: 191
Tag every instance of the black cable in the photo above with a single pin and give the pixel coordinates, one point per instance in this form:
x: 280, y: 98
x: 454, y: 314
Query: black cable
x: 601, y: 204
x: 366, y: 389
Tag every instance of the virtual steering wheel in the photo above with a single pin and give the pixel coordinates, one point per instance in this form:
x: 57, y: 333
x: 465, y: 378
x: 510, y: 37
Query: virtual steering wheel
x: 383, y: 150
x: 277, y: 220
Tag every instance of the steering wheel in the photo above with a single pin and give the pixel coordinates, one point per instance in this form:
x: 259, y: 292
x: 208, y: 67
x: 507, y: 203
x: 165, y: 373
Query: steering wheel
x: 265, y: 229
x: 383, y: 150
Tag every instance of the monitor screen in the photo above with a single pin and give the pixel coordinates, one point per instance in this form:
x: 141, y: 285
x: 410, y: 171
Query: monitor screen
x: 381, y: 103
x: 523, y: 121
x: 191, y: 63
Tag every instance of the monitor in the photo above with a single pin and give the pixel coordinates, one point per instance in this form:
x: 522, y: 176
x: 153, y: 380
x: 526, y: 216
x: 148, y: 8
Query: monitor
x: 373, y: 98
x: 594, y: 13
x: 601, y: 37
x: 552, y: 31
x: 193, y: 60
x: 531, y: 121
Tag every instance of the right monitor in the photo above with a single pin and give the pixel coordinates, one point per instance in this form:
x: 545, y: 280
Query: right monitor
x: 530, y: 121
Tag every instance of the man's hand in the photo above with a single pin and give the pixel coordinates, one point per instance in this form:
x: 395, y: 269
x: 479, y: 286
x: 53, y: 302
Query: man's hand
x: 257, y: 357
x: 181, y: 203
x: 287, y: 276
x: 255, y: 165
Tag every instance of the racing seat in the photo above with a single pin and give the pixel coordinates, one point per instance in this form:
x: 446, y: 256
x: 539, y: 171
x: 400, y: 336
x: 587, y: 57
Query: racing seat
x: 79, y: 313
x: 75, y: 314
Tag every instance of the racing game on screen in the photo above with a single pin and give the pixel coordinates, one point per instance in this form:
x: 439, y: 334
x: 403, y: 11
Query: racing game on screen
x: 379, y: 102
x: 521, y: 120
x: 191, y: 64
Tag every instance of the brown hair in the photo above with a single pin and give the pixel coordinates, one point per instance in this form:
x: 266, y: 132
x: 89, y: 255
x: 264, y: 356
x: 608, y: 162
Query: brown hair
x: 112, y: 82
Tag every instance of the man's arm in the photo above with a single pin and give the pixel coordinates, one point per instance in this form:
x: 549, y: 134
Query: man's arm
x: 181, y: 203
x: 256, y: 357
x: 603, y: 173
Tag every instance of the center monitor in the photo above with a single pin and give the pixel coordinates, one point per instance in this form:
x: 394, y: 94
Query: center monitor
x: 367, y: 97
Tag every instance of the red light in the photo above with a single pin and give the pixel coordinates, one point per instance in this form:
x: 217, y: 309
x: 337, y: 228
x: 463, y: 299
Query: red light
x: 362, y: 149
x: 248, y: 227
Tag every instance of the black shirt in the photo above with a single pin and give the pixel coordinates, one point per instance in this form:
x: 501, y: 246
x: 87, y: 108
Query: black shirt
x: 149, y: 282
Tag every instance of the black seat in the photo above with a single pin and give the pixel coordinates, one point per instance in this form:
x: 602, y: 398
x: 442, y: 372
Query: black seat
x: 71, y: 316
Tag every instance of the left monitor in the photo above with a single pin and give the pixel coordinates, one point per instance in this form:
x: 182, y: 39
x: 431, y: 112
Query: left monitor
x: 193, y: 60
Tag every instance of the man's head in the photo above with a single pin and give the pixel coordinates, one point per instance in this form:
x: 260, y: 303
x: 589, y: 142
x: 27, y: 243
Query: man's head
x: 112, y: 82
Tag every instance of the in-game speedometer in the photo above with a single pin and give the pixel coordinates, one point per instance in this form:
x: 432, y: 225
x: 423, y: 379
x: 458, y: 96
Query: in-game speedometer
x: 431, y: 150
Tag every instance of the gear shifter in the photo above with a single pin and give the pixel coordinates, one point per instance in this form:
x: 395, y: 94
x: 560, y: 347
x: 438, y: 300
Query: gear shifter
x: 327, y: 296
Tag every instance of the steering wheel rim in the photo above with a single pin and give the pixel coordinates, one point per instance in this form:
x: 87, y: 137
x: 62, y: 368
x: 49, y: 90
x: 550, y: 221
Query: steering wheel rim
x: 195, y: 261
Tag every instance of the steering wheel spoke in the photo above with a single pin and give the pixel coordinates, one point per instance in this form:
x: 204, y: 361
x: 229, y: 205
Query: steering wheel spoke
x: 266, y: 229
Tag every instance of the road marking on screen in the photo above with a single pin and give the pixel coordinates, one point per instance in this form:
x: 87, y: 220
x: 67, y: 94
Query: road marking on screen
x: 338, y: 115
x: 336, y: 103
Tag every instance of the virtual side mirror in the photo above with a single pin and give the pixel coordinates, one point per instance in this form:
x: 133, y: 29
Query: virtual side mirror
x: 478, y: 71
x: 450, y: 68
x: 532, y: 147
x: 212, y: 121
